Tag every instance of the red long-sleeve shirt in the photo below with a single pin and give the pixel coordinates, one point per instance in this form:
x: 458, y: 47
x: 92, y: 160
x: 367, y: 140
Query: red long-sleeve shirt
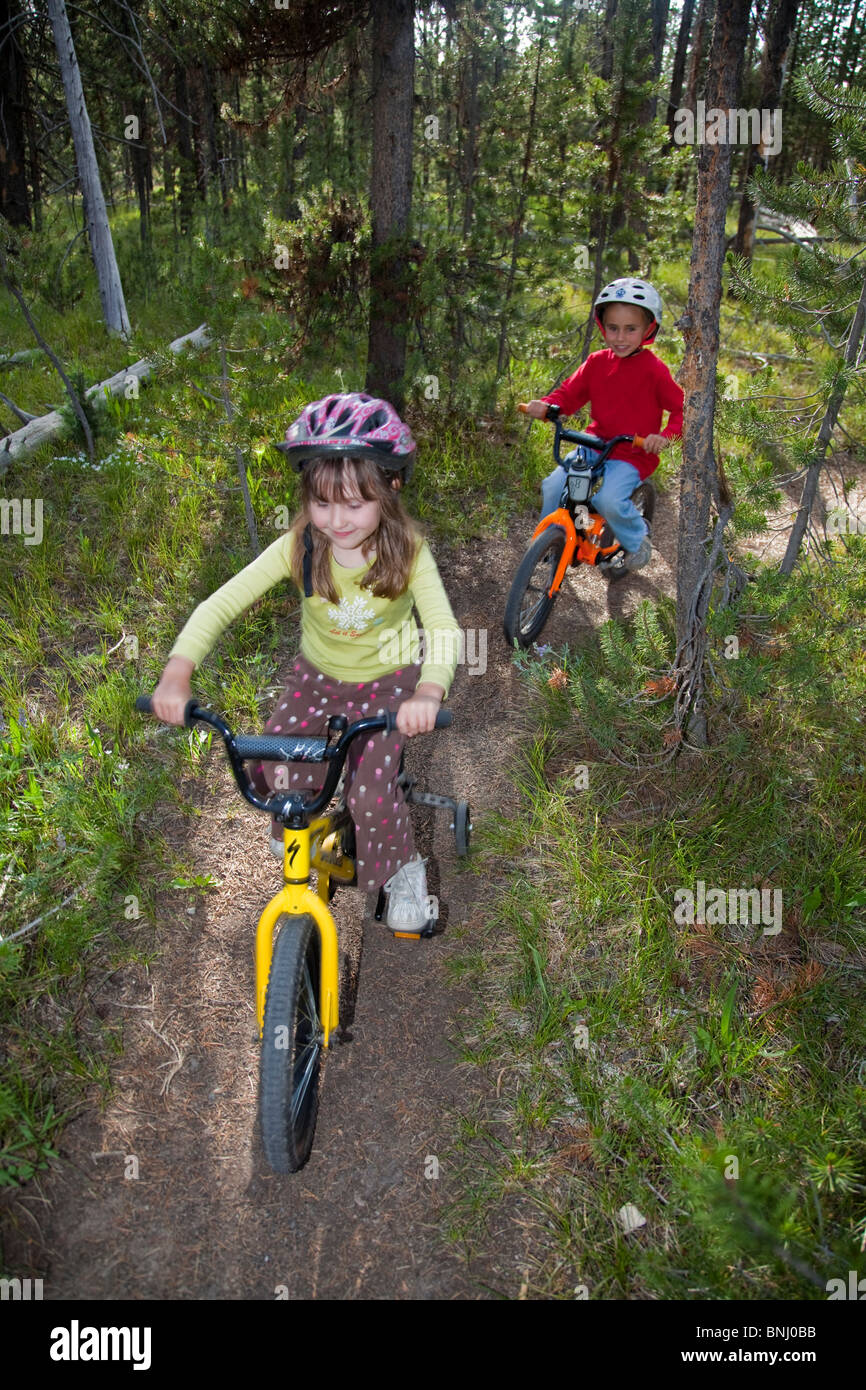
x: 627, y: 395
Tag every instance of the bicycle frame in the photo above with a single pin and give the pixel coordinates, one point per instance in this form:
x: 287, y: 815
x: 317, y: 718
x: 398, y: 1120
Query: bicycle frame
x: 310, y: 841
x: 579, y: 545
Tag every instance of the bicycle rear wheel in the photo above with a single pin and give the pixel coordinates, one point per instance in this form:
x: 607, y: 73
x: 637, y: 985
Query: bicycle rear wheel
x: 530, y: 601
x: 292, y: 1038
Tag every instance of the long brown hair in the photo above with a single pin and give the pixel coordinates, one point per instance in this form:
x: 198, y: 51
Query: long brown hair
x: 395, y: 542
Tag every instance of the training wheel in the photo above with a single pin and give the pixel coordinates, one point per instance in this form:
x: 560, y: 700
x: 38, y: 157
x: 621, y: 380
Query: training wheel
x: 462, y: 827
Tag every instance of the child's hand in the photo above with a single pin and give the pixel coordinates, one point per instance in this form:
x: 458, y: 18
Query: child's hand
x: 654, y: 443
x: 173, y: 693
x: 417, y: 715
x: 537, y: 409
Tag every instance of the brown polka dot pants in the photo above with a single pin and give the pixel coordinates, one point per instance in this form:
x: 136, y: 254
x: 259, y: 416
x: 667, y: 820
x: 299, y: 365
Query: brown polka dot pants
x: 383, y: 830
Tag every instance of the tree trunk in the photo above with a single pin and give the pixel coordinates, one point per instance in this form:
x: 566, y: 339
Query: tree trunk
x: 705, y: 15
x: 101, y: 244
x: 657, y: 40
x: 780, y: 29
x: 519, y: 215
x: 849, y: 61
x: 822, y: 443
x: 14, y: 197
x: 35, y: 169
x: 699, y: 481
x: 679, y: 69
x: 470, y: 117
x: 185, y: 162
x: 607, y: 40
x: 216, y: 166
x: 393, y: 88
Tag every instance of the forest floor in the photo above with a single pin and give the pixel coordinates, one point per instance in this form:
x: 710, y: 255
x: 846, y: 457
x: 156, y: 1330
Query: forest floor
x: 205, y: 1218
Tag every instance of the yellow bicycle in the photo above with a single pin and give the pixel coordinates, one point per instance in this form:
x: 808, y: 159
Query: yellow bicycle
x: 296, y: 951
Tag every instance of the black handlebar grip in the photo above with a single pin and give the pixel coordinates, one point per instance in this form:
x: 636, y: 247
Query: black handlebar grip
x: 443, y: 720
x: 144, y: 705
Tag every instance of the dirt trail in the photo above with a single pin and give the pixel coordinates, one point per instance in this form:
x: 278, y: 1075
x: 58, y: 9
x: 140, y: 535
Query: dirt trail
x: 204, y: 1218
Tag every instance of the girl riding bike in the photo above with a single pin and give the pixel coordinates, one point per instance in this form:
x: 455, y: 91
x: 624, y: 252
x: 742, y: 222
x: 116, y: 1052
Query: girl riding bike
x: 360, y: 566
x: 628, y: 389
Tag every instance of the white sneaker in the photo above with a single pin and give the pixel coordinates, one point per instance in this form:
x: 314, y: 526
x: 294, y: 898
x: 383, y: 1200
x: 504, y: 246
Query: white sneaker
x: 407, y: 897
x: 636, y: 559
x: 276, y: 846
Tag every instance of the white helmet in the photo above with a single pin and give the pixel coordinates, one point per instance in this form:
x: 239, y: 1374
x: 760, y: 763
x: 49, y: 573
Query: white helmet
x: 638, y: 292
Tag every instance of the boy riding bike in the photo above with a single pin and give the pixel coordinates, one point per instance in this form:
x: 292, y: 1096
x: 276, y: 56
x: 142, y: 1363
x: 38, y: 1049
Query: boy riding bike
x: 628, y: 389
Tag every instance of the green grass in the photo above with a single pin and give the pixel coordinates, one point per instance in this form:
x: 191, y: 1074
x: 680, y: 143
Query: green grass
x: 710, y: 1075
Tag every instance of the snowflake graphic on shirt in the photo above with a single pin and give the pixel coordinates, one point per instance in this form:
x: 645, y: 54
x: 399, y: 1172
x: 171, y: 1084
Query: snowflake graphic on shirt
x: 352, y: 617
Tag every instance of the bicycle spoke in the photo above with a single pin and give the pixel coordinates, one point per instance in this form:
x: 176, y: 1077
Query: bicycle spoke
x: 309, y: 995
x: 301, y: 1084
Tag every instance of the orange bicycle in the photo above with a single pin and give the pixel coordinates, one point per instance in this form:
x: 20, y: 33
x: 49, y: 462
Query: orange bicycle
x: 573, y: 534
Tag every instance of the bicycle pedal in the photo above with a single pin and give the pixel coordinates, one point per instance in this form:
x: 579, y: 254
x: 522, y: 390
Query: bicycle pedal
x: 425, y: 931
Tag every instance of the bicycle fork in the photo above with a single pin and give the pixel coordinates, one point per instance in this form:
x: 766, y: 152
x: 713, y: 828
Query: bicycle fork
x: 296, y: 899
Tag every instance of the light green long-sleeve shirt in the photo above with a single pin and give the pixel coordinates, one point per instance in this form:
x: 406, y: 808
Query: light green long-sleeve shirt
x: 359, y: 638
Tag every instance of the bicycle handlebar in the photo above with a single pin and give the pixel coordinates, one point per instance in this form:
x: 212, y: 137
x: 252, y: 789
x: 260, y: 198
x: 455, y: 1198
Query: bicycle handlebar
x: 589, y: 441
x: 284, y: 748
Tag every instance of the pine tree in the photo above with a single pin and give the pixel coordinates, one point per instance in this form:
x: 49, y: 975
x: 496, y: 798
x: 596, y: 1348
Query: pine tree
x: 821, y: 291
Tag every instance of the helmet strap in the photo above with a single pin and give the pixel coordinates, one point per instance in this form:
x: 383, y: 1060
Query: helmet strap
x: 308, y: 561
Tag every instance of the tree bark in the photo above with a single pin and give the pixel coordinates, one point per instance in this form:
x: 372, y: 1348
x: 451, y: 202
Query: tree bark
x: 99, y: 231
x: 780, y: 30
x: 607, y: 40
x: 470, y: 117
x: 699, y: 481
x: 679, y: 68
x: 519, y: 215
x: 659, y: 12
x: 14, y: 197
x: 822, y: 443
x: 704, y: 19
x: 185, y: 162
x: 393, y: 89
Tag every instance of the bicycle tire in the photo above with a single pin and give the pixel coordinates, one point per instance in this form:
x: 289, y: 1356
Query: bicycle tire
x: 291, y: 1049
x: 534, y: 576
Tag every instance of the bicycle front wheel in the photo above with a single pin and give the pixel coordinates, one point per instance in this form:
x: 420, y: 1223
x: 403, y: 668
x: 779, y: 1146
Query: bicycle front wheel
x: 292, y: 1038
x: 530, y: 601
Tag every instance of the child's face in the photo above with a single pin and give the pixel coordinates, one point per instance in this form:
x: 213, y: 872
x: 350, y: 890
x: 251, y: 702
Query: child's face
x: 348, y: 522
x: 624, y: 328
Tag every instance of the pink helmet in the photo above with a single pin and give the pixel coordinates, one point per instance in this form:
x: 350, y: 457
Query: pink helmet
x: 356, y: 425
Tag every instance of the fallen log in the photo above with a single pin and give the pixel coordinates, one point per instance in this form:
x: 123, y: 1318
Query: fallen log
x: 22, y: 442
x: 18, y: 359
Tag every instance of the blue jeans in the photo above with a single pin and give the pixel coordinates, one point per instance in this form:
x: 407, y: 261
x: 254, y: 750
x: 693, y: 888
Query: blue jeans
x: 612, y: 501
